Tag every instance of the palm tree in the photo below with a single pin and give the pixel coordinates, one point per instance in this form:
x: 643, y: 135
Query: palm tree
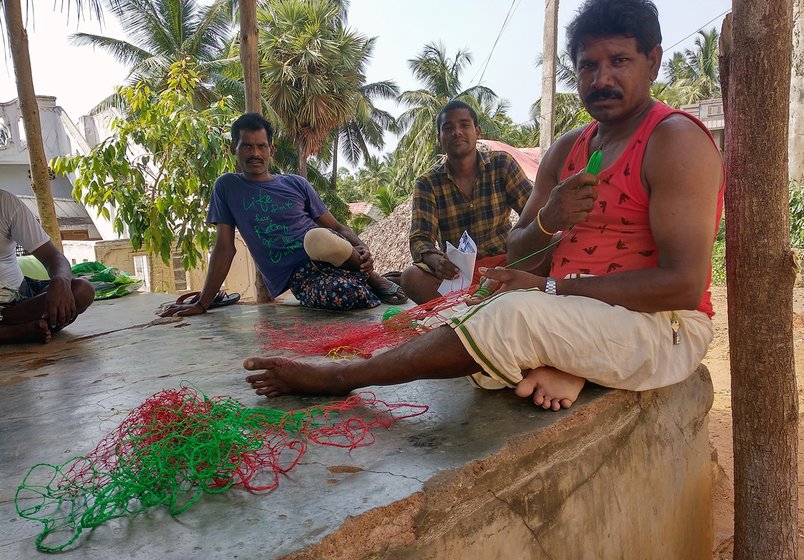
x: 441, y: 77
x: 568, y: 109
x: 693, y: 75
x: 312, y: 70
x: 366, y: 128
x: 163, y: 32
x: 374, y: 174
x: 569, y: 113
x: 524, y: 135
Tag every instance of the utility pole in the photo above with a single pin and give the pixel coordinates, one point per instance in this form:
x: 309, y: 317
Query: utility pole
x: 549, y: 58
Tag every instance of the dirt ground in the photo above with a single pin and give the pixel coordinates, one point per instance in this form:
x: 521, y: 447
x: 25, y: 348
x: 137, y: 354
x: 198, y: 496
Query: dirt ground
x: 720, y: 435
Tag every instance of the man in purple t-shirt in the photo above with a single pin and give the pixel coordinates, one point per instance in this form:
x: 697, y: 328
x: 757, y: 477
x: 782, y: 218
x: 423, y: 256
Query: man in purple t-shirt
x: 296, y: 242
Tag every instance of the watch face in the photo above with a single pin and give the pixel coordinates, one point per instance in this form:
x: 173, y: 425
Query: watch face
x: 550, y: 286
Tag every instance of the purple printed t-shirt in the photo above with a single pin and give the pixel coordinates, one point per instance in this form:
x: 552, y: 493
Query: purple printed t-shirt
x: 272, y: 217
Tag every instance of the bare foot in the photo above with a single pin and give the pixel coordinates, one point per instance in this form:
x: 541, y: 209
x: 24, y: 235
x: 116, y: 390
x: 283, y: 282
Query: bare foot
x: 287, y: 377
x: 32, y: 331
x: 550, y: 388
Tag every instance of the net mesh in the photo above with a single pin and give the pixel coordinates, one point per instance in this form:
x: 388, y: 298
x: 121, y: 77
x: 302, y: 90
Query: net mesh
x: 179, y: 445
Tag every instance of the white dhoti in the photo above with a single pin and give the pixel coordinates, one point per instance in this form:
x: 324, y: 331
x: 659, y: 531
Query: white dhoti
x: 606, y: 344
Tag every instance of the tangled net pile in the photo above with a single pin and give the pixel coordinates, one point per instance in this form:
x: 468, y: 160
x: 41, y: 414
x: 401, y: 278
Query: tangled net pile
x: 178, y: 445
x: 347, y: 339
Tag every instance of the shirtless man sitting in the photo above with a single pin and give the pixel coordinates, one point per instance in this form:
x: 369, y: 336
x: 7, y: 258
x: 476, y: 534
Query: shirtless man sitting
x: 30, y: 310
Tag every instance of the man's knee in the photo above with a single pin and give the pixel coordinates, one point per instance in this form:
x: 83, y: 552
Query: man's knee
x: 83, y: 293
x: 419, y: 285
x: 412, y: 277
x: 322, y: 244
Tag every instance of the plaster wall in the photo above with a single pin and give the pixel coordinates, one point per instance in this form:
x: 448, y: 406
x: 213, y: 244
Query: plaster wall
x: 627, y: 479
x: 242, y: 273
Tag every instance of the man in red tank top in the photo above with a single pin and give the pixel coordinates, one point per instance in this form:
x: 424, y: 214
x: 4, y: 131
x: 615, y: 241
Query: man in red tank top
x: 622, y: 300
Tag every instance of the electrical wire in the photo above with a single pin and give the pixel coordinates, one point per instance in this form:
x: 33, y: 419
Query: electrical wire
x: 511, y: 9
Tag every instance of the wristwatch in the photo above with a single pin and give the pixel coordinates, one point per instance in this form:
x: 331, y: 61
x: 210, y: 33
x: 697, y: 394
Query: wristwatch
x: 550, y: 286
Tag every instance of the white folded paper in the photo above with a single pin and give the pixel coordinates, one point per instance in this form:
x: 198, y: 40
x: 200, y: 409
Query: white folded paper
x: 463, y: 256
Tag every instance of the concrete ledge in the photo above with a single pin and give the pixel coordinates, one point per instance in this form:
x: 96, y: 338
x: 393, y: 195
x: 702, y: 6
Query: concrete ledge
x: 481, y: 475
x: 625, y: 476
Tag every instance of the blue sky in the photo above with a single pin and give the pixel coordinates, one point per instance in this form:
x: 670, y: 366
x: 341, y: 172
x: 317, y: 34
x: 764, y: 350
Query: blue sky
x: 79, y: 77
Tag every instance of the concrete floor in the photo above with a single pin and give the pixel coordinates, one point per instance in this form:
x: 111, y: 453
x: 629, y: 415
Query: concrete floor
x: 59, y: 400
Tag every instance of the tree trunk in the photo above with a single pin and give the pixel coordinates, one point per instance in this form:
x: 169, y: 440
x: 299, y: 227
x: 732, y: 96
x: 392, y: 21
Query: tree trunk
x: 549, y: 57
x: 250, y: 62
x: 249, y: 59
x: 760, y: 272
x: 796, y: 147
x: 29, y: 108
x: 302, y: 166
x: 334, y: 181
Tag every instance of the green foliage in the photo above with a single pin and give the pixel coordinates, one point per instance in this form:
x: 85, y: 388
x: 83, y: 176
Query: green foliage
x: 312, y: 69
x: 719, y: 263
x: 517, y: 135
x: 693, y: 75
x: 796, y: 193
x: 153, y: 177
x: 348, y: 188
x: 360, y: 222
x: 569, y: 113
x: 162, y: 32
x: 441, y: 79
x: 387, y: 198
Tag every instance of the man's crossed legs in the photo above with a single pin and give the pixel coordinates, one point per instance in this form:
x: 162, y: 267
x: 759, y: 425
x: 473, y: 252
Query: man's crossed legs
x: 23, y: 320
x: 545, y: 346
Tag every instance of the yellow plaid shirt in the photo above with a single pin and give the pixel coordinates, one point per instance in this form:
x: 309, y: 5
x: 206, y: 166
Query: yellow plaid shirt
x: 441, y: 212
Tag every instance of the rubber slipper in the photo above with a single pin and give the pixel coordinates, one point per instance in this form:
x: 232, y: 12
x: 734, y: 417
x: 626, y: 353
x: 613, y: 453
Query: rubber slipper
x: 221, y: 299
x: 392, y: 295
x: 189, y: 297
x: 394, y: 276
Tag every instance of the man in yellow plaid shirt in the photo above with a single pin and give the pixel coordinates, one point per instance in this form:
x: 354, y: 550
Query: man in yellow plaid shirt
x: 470, y: 191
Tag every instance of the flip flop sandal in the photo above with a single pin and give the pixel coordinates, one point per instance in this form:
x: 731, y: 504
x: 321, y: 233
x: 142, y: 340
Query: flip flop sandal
x: 392, y: 295
x: 394, y: 276
x: 221, y: 299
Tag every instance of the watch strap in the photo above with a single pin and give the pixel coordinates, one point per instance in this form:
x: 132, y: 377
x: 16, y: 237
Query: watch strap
x: 550, y: 286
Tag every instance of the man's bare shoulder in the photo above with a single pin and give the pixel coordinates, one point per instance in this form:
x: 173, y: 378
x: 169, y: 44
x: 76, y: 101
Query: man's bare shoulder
x: 679, y: 147
x: 677, y: 129
x: 553, y: 160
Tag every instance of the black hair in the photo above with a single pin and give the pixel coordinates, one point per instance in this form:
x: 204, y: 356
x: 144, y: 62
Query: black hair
x: 451, y: 106
x: 251, y: 121
x: 630, y: 18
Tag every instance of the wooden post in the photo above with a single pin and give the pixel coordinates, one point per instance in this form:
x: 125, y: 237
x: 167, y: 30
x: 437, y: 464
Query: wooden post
x: 250, y: 62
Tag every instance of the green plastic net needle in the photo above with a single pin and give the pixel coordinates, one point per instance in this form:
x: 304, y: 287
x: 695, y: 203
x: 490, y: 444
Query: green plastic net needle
x: 595, y: 162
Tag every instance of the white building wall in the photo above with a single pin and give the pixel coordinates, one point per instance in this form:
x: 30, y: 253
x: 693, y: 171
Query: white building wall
x: 60, y: 137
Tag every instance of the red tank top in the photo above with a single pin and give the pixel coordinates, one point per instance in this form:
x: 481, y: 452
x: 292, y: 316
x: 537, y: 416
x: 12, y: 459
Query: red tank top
x: 617, y: 236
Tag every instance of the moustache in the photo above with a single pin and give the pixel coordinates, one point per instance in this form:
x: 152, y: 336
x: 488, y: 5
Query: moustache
x: 254, y: 159
x: 605, y: 93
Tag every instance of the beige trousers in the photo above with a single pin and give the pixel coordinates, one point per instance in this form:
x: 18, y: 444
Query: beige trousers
x: 606, y: 344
